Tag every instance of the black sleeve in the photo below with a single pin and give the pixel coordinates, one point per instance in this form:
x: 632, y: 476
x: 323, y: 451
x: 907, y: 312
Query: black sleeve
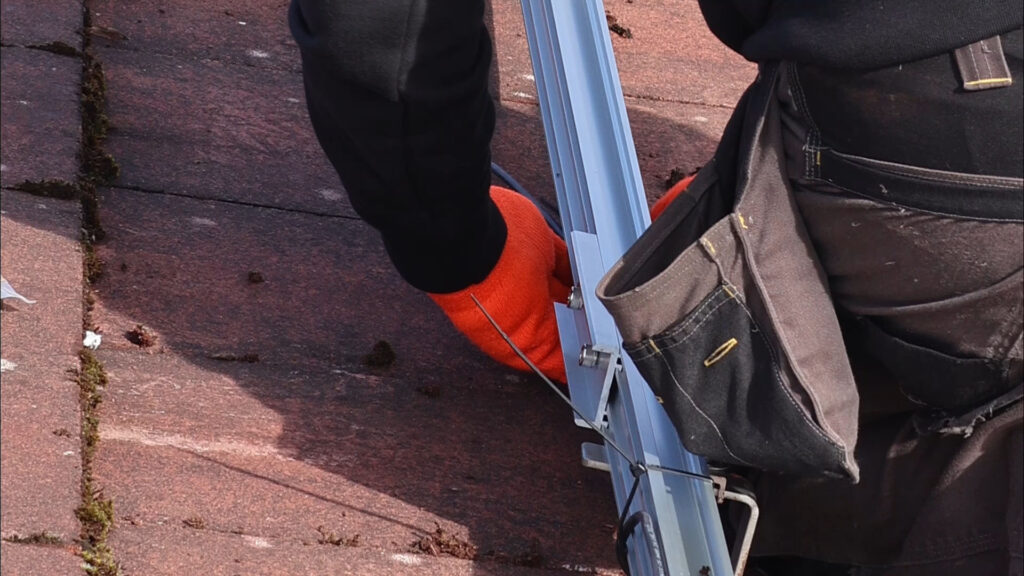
x: 733, y: 21
x: 397, y: 94
x: 856, y: 34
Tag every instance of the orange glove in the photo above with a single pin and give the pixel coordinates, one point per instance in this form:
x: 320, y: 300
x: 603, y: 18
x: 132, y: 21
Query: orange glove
x: 532, y: 273
x: 669, y: 196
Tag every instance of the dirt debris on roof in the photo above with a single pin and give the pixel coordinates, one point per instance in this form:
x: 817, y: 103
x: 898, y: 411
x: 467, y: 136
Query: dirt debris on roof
x: 614, y: 26
x: 442, y: 542
x: 142, y: 336
x: 382, y: 355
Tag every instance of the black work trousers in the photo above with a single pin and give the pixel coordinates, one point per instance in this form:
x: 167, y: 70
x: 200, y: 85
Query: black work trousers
x: 911, y: 191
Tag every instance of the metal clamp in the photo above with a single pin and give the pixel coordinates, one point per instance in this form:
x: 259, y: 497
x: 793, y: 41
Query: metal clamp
x: 740, y: 548
x: 575, y: 300
x: 585, y: 327
x: 607, y: 360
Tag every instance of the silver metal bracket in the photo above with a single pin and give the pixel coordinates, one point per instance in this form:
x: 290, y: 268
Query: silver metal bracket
x: 590, y: 372
x: 587, y: 330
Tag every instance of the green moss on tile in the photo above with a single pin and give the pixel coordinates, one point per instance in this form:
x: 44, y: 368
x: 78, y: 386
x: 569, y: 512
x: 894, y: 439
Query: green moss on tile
x: 49, y: 188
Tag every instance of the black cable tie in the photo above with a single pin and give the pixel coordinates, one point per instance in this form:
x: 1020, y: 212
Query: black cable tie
x: 637, y: 469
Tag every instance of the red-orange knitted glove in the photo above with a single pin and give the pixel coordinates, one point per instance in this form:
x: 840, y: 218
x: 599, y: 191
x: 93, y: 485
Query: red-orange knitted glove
x: 532, y: 272
x: 669, y: 196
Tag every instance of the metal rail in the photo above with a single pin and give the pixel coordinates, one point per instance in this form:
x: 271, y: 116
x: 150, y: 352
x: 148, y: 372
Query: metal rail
x: 604, y: 210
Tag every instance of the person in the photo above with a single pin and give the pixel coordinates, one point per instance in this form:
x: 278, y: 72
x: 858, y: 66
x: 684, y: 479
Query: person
x: 908, y: 179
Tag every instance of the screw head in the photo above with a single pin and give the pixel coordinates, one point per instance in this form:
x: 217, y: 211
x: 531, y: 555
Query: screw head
x: 575, y: 298
x: 588, y: 356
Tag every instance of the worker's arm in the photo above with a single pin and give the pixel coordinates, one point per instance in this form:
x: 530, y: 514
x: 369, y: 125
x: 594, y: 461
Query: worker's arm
x: 397, y: 94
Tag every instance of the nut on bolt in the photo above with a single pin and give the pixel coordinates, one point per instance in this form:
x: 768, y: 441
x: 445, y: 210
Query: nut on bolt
x: 589, y: 357
x: 575, y: 298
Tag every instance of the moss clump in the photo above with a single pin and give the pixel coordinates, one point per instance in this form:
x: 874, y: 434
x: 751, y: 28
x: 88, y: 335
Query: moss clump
x: 94, y: 231
x: 97, y: 166
x: 91, y: 378
x: 58, y: 47
x: 49, y: 188
x: 231, y: 357
x: 39, y: 538
x: 91, y: 262
x: 99, y: 561
x: 102, y: 166
x: 94, y: 94
x: 97, y: 517
x: 96, y: 513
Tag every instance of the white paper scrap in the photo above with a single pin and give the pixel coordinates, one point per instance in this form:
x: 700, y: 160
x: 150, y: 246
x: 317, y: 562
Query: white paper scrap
x: 6, y: 291
x: 92, y: 340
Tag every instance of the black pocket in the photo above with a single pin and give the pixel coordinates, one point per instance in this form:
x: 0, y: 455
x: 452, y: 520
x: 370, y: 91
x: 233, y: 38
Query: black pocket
x: 931, y: 377
x: 936, y: 191
x: 721, y: 385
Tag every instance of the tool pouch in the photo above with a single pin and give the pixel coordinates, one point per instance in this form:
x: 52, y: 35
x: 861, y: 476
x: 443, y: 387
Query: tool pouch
x: 724, y: 309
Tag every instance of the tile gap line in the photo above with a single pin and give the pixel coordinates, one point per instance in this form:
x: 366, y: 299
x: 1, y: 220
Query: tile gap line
x: 232, y: 202
x: 12, y: 188
x: 55, y: 47
x: 659, y: 99
x: 638, y: 99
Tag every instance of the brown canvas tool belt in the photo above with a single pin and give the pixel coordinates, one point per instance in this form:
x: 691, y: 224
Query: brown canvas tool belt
x: 724, y: 308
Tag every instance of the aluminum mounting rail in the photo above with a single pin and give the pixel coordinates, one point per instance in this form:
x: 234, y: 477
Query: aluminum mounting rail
x: 604, y: 210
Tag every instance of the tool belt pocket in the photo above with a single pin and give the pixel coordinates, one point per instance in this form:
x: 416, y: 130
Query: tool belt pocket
x: 724, y: 310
